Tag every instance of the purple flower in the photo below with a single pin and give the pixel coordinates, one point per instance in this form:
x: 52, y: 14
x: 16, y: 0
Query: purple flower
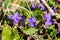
x: 54, y: 9
x: 32, y: 21
x: 34, y: 6
x: 43, y: 7
x: 48, y: 22
x: 29, y: 20
x: 10, y: 17
x: 15, y: 17
x: 23, y: 17
x: 47, y: 16
x: 48, y: 19
x: 59, y: 1
x: 32, y: 24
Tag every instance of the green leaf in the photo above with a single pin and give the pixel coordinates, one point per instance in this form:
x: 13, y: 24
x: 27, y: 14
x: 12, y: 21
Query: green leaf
x: 26, y: 13
x: 11, y: 34
x: 52, y: 27
x: 58, y: 6
x: 5, y: 4
x: 58, y: 38
x: 25, y: 4
x: 53, y: 33
x: 30, y: 31
x: 55, y: 38
x: 7, y: 0
x: 6, y: 33
x: 58, y: 16
x: 10, y: 12
x: 15, y: 35
x: 10, y: 1
x: 9, y: 6
x: 51, y: 2
x: 38, y: 14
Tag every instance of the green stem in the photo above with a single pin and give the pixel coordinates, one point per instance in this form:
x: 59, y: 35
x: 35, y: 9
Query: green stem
x: 29, y: 8
x: 19, y: 7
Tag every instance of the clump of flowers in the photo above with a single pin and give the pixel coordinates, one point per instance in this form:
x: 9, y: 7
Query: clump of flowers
x: 16, y: 18
x: 38, y: 19
x: 32, y: 21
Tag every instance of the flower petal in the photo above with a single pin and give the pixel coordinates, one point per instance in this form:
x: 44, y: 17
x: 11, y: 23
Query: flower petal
x: 58, y: 0
x: 23, y: 17
x: 18, y: 18
x: 54, y: 9
x: 47, y: 16
x: 35, y: 23
x: 42, y: 7
x: 16, y: 14
x: 32, y: 24
x: 16, y: 21
x: 10, y: 16
x: 34, y: 6
x: 29, y: 20
x: 48, y: 23
x: 33, y: 19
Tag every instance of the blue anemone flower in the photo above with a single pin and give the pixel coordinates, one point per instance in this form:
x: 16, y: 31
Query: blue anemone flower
x: 15, y: 17
x: 32, y: 21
